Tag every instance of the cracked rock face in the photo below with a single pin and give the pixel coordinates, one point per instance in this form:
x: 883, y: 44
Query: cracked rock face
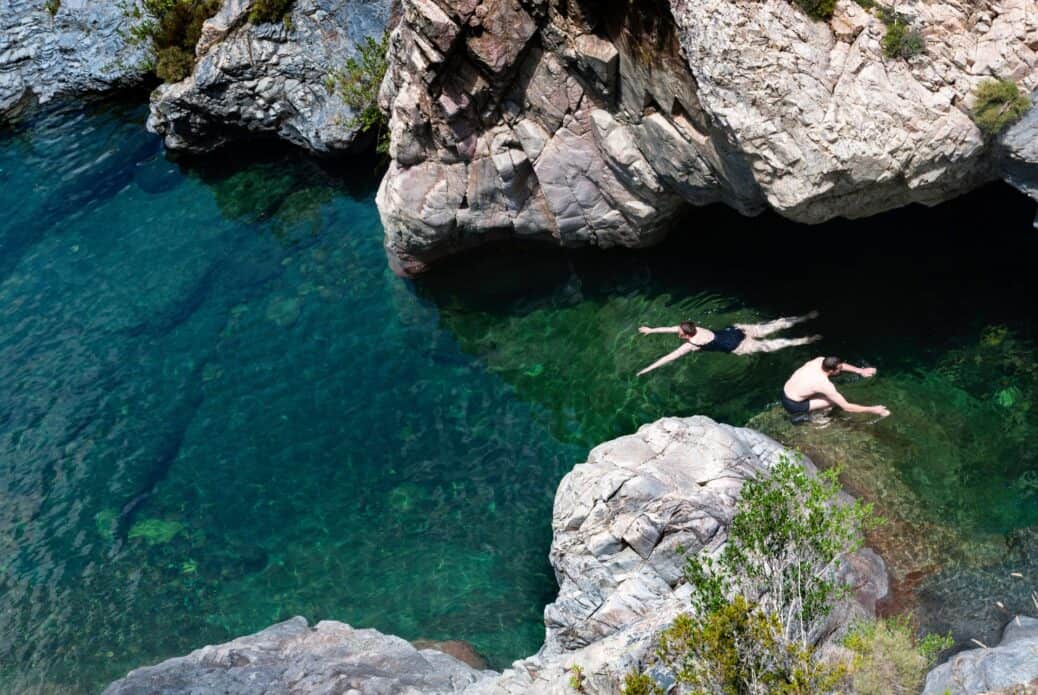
x: 587, y: 124
x: 1020, y: 154
x: 269, y: 80
x: 78, y: 50
x: 1011, y: 667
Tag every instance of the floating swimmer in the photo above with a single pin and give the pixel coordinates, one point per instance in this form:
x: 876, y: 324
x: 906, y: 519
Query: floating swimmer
x: 738, y: 339
x: 809, y: 389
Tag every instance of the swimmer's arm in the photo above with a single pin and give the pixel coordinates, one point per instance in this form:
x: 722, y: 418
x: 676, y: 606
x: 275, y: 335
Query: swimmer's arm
x: 860, y: 371
x: 837, y: 399
x: 683, y: 350
x: 645, y: 330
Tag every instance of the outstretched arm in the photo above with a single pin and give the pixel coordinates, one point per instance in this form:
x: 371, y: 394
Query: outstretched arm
x: 837, y: 399
x: 645, y: 330
x: 683, y: 350
x: 860, y: 371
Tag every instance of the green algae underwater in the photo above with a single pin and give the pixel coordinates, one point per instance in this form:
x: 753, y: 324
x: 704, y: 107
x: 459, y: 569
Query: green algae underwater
x: 221, y: 409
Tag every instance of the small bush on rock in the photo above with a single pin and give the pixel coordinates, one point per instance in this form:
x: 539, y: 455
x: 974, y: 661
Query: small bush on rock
x: 758, y: 605
x: 902, y: 40
x: 269, y: 11
x: 817, y: 9
x: 888, y: 658
x: 997, y: 104
x: 173, y: 28
x: 52, y: 6
x: 358, y: 84
x: 641, y: 684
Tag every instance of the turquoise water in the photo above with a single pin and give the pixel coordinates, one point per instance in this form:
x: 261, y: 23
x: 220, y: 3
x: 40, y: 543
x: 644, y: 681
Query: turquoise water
x: 219, y: 408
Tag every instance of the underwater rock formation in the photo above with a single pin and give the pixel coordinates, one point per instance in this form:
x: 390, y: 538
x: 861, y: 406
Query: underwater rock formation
x: 81, y: 47
x: 617, y: 524
x: 269, y: 80
x: 566, y: 121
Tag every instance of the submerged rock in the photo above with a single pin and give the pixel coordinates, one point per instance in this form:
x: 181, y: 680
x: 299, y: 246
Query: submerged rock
x: 618, y: 523
x: 591, y: 125
x: 1012, y: 665
x: 269, y: 80
x: 82, y: 47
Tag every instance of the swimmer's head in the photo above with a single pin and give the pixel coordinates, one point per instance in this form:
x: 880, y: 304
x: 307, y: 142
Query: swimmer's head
x: 831, y: 365
x: 687, y: 328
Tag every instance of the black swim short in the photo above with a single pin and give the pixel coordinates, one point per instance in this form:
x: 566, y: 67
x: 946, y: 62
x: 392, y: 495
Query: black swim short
x: 795, y: 407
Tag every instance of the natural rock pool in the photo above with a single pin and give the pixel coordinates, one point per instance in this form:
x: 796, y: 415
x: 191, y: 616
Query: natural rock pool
x: 219, y: 408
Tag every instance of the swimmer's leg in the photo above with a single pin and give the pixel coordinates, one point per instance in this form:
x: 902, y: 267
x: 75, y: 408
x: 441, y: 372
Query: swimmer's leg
x: 759, y: 330
x: 752, y: 345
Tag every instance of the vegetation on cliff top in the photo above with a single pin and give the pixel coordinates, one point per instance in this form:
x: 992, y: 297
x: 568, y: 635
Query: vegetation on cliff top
x: 358, y: 83
x: 758, y: 607
x: 997, y: 104
x: 173, y: 28
x: 269, y: 11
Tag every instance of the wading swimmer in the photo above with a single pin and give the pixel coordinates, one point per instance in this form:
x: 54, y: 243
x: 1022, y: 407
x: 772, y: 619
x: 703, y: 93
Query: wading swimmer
x: 809, y: 389
x: 738, y: 339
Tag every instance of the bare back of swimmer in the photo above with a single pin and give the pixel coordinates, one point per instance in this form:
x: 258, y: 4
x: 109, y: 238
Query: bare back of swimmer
x: 809, y: 389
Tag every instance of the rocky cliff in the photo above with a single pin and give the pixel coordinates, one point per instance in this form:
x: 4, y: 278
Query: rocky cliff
x: 593, y: 124
x: 81, y: 47
x: 617, y: 524
x: 271, y: 79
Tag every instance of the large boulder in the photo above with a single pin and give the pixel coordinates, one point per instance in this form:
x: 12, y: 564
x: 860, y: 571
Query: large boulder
x: 1012, y: 666
x: 271, y: 80
x: 82, y: 47
x: 589, y: 125
x: 295, y: 659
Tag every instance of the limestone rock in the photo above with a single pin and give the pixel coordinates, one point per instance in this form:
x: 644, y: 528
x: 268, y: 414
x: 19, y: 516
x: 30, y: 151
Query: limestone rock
x: 1012, y: 665
x: 82, y: 48
x: 295, y: 659
x: 628, y: 113
x: 269, y: 80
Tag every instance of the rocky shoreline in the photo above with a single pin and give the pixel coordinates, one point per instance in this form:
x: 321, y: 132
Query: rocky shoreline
x: 617, y: 523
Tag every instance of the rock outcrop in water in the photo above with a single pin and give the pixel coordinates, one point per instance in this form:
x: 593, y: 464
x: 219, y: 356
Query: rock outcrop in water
x: 567, y: 121
x: 1011, y: 667
x: 81, y: 48
x: 617, y: 524
x: 269, y: 80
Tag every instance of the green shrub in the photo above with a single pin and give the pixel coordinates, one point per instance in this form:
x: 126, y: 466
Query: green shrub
x: 641, y: 684
x: 173, y: 64
x: 52, y: 6
x: 889, y: 659
x: 173, y: 28
x: 779, y: 566
x: 358, y: 84
x: 576, y: 678
x: 817, y: 9
x: 269, y: 11
x: 997, y: 104
x: 902, y: 40
x: 784, y: 542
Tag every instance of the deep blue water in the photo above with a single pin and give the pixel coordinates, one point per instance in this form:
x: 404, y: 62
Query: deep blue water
x: 219, y: 408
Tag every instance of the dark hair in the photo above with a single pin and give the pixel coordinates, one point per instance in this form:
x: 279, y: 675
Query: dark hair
x: 688, y: 328
x: 831, y: 364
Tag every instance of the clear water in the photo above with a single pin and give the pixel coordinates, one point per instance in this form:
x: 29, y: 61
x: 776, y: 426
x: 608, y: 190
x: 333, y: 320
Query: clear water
x: 219, y: 408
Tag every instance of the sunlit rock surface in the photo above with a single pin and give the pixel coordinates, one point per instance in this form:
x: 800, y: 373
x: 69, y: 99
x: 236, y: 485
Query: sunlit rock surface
x: 1010, y: 667
x: 565, y: 121
x: 83, y: 47
x: 269, y: 80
